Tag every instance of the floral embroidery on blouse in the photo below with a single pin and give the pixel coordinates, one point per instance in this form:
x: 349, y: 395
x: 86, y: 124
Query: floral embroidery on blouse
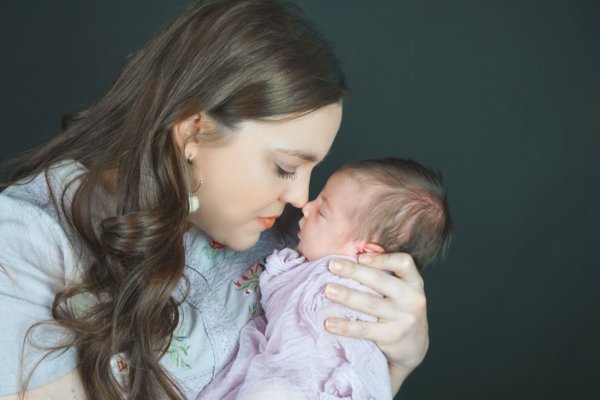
x: 216, y: 245
x: 119, y: 365
x: 212, y: 249
x: 179, y: 351
x: 248, y: 284
x: 249, y: 280
x: 254, y: 309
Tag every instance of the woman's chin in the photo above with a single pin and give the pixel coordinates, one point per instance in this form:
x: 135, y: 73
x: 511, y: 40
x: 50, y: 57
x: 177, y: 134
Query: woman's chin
x: 235, y: 239
x: 242, y: 242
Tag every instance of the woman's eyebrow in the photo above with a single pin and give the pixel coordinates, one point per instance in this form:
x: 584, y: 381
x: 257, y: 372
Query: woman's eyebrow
x: 300, y: 154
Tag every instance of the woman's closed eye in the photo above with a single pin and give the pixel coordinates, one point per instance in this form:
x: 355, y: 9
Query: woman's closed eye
x: 283, y: 173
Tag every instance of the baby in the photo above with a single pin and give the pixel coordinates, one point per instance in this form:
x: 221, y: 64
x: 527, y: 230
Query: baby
x: 370, y: 206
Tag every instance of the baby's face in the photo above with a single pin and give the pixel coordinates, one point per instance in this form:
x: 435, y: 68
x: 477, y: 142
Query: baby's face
x: 327, y: 224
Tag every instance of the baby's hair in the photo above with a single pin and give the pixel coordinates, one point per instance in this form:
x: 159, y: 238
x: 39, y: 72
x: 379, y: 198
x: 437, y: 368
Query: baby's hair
x: 408, y: 208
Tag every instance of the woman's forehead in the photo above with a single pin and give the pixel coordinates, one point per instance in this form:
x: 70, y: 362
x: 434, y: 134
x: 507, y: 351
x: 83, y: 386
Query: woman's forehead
x: 308, y: 137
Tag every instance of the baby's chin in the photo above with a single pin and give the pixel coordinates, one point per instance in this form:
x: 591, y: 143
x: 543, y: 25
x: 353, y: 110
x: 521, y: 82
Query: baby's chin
x: 300, y: 249
x: 310, y: 254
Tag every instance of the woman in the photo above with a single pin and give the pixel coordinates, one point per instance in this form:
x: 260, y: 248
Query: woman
x: 130, y: 241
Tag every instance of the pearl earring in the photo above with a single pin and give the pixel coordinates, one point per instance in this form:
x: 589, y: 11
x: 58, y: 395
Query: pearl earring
x: 193, y: 200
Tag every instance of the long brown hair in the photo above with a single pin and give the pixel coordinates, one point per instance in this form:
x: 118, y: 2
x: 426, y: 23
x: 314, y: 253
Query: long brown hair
x: 232, y: 59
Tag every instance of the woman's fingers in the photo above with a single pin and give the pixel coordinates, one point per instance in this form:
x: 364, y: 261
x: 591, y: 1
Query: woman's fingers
x: 407, y: 290
x: 401, y: 330
x: 367, y: 303
x: 401, y: 264
x: 406, y: 299
x: 376, y: 279
x: 382, y: 333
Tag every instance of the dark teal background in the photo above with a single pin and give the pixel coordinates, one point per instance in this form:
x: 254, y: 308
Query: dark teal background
x: 502, y: 96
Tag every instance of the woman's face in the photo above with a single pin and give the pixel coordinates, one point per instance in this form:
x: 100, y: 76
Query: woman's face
x: 247, y: 182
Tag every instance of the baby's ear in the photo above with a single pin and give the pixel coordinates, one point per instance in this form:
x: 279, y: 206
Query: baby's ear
x: 368, y: 247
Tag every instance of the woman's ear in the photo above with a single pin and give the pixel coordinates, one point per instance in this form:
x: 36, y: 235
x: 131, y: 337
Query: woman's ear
x: 185, y: 130
x: 186, y: 133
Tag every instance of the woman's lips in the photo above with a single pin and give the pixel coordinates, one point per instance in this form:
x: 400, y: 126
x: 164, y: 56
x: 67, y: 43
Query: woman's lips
x: 267, y: 222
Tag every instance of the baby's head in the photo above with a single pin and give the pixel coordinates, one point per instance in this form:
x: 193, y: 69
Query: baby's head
x: 375, y: 206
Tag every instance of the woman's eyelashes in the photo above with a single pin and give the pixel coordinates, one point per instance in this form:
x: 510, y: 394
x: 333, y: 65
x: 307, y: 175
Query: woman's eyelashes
x: 282, y: 173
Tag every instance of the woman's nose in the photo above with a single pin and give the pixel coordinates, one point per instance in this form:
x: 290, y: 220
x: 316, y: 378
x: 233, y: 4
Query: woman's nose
x: 297, y: 193
x: 306, y: 208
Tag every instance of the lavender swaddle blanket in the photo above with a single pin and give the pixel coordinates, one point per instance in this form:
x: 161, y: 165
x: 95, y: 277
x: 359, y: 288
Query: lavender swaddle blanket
x: 293, y: 357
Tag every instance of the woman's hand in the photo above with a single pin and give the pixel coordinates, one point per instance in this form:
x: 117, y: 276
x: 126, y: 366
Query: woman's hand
x: 401, y: 331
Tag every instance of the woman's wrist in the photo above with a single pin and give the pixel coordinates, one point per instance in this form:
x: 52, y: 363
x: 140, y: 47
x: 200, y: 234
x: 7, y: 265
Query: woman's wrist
x: 398, y: 374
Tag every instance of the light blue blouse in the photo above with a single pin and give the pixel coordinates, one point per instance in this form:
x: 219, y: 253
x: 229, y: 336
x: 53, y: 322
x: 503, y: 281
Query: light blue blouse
x: 39, y: 256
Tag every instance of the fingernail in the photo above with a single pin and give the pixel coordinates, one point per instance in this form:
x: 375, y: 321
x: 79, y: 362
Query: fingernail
x: 335, y: 266
x: 365, y: 259
x: 330, y: 324
x: 331, y: 291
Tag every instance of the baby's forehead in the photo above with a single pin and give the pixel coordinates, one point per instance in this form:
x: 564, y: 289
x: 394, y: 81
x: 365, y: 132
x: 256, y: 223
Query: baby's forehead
x: 359, y: 182
x: 360, y: 192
